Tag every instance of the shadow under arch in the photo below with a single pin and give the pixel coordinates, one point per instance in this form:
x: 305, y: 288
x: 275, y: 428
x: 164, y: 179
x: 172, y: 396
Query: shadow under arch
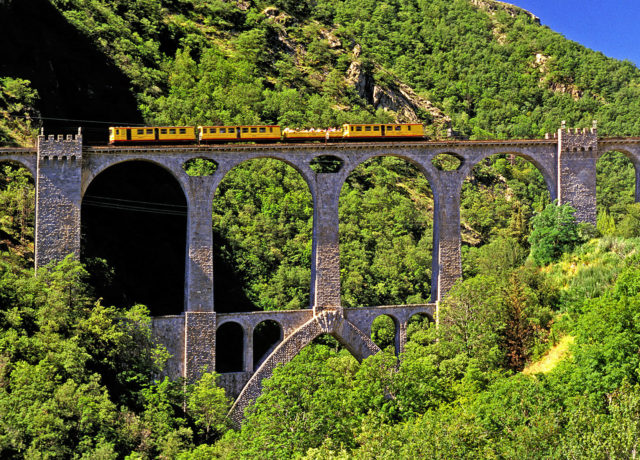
x: 262, y: 236
x: 134, y: 216
x: 266, y: 336
x: 349, y: 336
x: 98, y: 169
x: 230, y: 347
x: 386, y: 220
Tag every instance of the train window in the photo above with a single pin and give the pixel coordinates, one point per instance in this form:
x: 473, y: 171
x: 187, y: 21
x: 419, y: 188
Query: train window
x: 254, y: 130
x: 376, y: 128
x: 367, y: 128
x: 117, y: 131
x: 397, y: 128
x: 245, y: 130
x: 263, y: 130
x: 231, y: 130
x: 140, y: 131
x: 172, y: 131
x: 409, y: 128
x: 183, y: 131
x: 358, y: 128
x: 163, y: 131
x: 224, y: 130
x: 149, y: 131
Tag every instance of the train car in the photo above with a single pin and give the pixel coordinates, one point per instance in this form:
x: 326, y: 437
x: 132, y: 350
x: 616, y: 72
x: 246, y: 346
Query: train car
x: 264, y: 133
x: 383, y: 131
x: 140, y: 135
x: 302, y: 135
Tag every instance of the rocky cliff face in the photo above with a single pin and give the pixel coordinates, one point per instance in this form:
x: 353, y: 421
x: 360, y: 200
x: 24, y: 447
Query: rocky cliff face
x: 491, y: 6
x: 397, y: 97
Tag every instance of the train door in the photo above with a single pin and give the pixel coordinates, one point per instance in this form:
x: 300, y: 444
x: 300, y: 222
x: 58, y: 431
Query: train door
x: 156, y: 131
x: 237, y: 132
x: 382, y: 130
x: 128, y: 130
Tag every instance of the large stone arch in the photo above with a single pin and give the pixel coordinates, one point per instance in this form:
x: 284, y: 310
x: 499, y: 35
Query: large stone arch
x: 633, y: 155
x: 547, y: 168
x: 423, y: 168
x: 227, y: 165
x: 23, y: 162
x: 135, y: 213
x: 95, y: 168
x: 420, y: 161
x: 328, y: 322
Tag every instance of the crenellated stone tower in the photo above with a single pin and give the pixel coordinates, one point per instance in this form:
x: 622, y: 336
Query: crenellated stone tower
x: 577, y: 156
x: 58, y: 198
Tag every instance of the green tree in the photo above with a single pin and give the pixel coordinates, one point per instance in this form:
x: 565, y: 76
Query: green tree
x: 555, y: 232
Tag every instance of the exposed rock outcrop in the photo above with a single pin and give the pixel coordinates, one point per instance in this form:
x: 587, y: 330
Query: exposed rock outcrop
x: 492, y: 6
x: 398, y: 97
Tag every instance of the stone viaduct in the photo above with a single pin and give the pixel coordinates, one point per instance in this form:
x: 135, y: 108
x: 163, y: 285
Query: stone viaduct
x: 63, y: 169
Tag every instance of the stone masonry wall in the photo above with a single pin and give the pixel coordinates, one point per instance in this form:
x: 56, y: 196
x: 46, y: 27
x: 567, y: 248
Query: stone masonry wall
x: 58, y: 198
x: 577, y: 156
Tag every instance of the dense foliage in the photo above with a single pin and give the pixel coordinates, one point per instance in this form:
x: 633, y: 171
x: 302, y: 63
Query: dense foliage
x: 80, y: 379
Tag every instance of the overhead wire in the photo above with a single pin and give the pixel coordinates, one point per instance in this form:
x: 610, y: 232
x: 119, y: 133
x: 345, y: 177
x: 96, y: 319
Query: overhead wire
x: 120, y: 204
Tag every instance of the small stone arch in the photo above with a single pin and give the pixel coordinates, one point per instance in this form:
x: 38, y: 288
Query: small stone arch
x: 416, y: 322
x: 230, y: 340
x: 266, y: 336
x: 358, y: 344
x: 385, y: 332
x: 446, y: 161
x: 200, y: 166
x: 326, y: 164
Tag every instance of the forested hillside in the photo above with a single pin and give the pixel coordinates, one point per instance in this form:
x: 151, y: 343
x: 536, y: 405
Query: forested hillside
x: 77, y: 374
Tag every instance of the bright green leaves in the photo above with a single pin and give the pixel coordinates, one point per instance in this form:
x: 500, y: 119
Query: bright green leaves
x: 555, y: 231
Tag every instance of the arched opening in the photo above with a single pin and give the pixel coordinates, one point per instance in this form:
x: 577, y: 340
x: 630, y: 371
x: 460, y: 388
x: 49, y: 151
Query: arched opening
x: 418, y: 327
x: 230, y: 348
x: 266, y: 336
x: 386, y: 234
x: 447, y: 162
x: 615, y: 195
x: 200, y: 167
x: 325, y: 164
x: 134, y: 229
x: 383, y: 332
x: 262, y: 233
x: 17, y: 213
x: 499, y: 198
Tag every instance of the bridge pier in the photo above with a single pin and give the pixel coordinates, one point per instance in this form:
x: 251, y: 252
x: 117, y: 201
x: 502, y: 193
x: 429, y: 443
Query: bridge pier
x: 325, y: 262
x: 577, y: 156
x: 199, y: 254
x: 58, y: 198
x: 447, y: 260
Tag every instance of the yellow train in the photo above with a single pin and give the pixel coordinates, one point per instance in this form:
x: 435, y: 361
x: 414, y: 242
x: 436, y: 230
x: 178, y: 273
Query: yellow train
x: 263, y: 133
